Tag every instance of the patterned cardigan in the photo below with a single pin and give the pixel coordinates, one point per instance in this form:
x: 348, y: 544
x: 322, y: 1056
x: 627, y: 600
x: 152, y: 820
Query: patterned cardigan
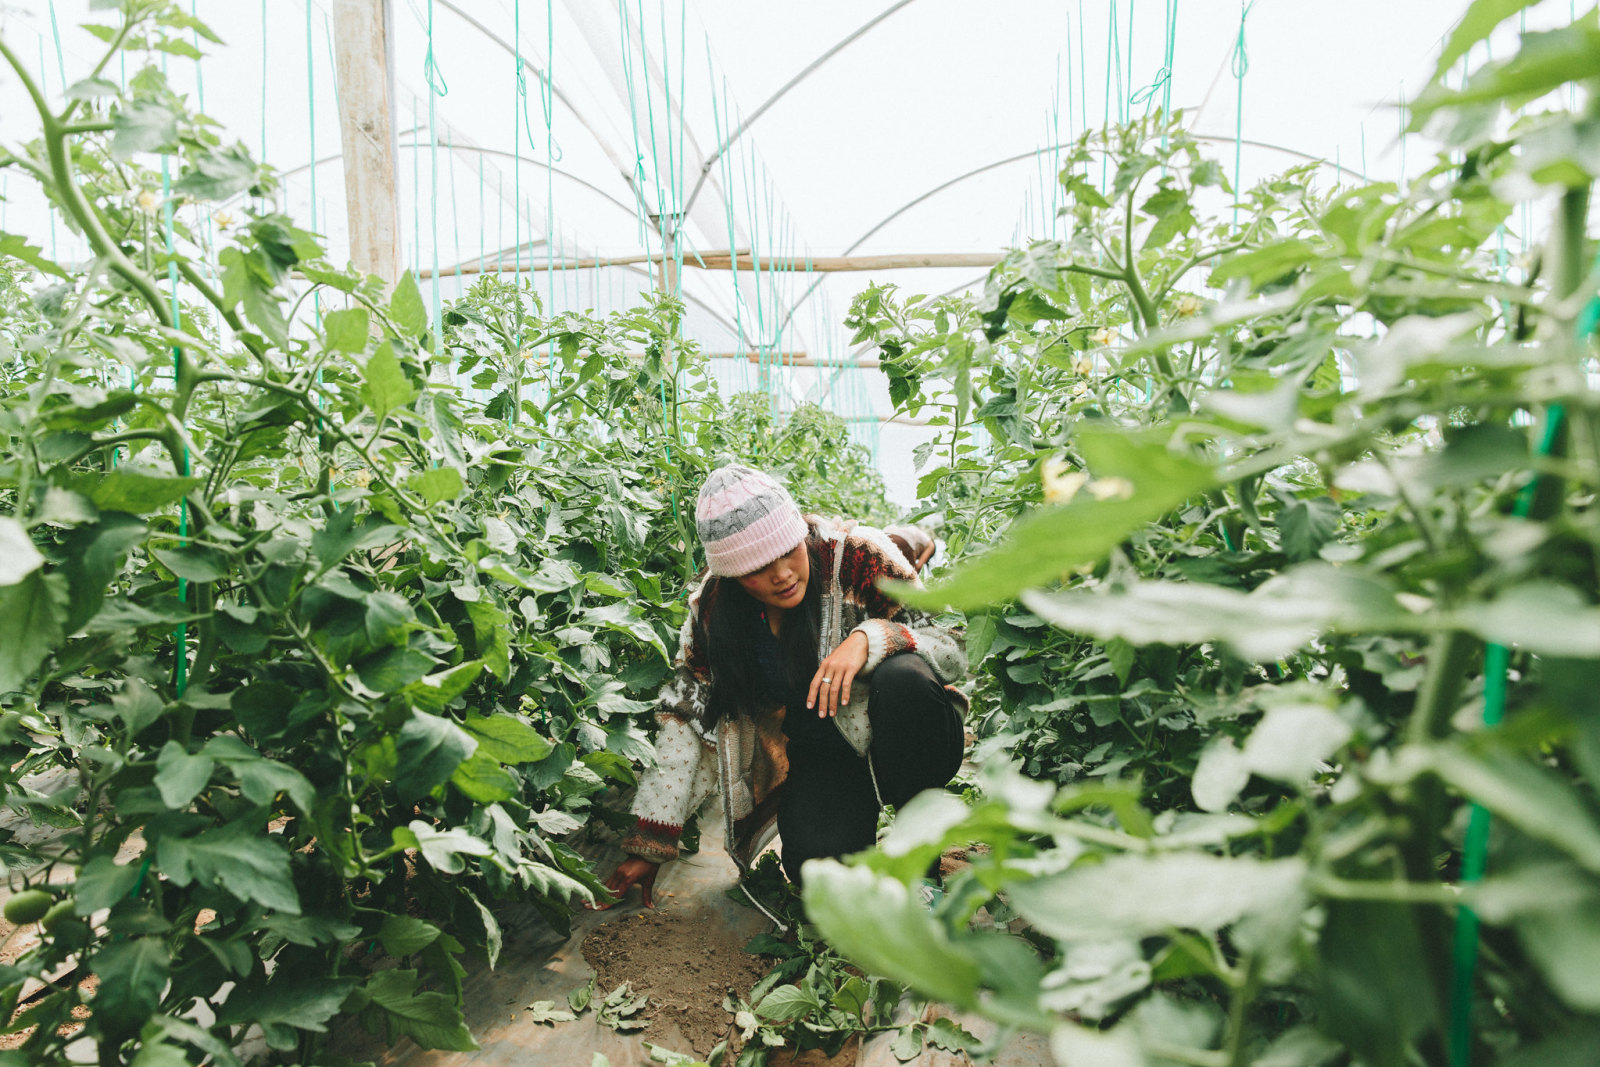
x: 744, y: 757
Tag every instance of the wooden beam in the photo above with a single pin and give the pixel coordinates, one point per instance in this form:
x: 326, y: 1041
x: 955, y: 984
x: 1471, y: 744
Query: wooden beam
x: 831, y: 264
x: 362, y: 64
x: 786, y: 359
x: 723, y: 260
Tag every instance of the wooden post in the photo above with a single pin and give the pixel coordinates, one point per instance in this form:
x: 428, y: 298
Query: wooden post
x: 363, y: 51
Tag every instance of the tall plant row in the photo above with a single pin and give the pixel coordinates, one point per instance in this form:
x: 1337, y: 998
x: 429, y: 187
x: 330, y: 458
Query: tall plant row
x: 1287, y: 658
x: 322, y: 624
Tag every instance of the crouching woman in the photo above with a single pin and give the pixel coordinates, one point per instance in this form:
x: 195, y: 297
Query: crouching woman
x: 802, y: 692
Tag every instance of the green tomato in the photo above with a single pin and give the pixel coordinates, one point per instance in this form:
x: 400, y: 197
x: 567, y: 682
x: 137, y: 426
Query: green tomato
x: 59, y: 913
x: 28, y: 906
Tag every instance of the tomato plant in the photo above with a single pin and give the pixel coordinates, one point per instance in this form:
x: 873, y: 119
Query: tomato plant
x: 1295, y: 506
x: 308, y: 656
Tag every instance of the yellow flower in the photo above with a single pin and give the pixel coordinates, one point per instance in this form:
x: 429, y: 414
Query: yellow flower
x: 1060, y: 483
x: 1111, y: 489
x: 1079, y: 389
x: 149, y: 202
x: 362, y: 477
x: 1189, y: 305
x: 1084, y: 366
x: 224, y: 220
x: 1105, y: 335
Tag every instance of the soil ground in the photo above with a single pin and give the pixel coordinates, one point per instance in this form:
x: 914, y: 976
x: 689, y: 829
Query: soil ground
x: 684, y: 960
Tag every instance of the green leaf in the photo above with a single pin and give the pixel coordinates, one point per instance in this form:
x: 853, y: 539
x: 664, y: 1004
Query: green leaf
x: 387, y: 387
x: 1563, y: 937
x: 1143, y: 896
x: 137, y: 705
x: 403, y: 935
x: 261, y: 779
x: 481, y: 778
x: 406, y: 309
x: 432, y: 1020
x: 435, y: 692
x: 15, y: 246
x: 437, y: 485
x: 286, y: 1003
x: 217, y: 175
x: 134, y: 490
x: 443, y: 849
x: 393, y: 668
x: 343, y: 535
x: 101, y: 883
x: 1276, y: 618
x: 429, y: 749
x: 507, y: 738
x: 18, y: 556
x: 1476, y: 25
x: 1539, y: 616
x: 907, y: 1044
x: 1306, y: 525
x: 132, y: 975
x: 787, y: 1003
x: 1259, y: 266
x: 545, y: 1011
x: 875, y: 921
x: 32, y: 613
x: 192, y: 563
x: 142, y: 126
x: 1292, y: 741
x: 180, y: 776
x: 1055, y: 540
x: 981, y: 633
x: 310, y: 930
x: 1374, y: 988
x: 235, y: 857
x: 1536, y: 801
x: 1544, y: 62
x: 92, y: 89
x: 346, y: 330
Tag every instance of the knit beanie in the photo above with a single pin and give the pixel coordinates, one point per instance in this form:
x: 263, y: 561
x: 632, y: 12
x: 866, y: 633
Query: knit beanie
x: 746, y: 520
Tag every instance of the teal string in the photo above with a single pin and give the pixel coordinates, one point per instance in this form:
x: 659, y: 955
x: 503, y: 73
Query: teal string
x: 1496, y: 669
x: 264, y: 95
x: 436, y: 89
x: 1241, y: 65
x: 44, y: 87
x: 455, y: 215
x: 1497, y: 665
x: 180, y: 672
x: 516, y: 185
x: 311, y: 137
x: 61, y: 61
x: 545, y: 98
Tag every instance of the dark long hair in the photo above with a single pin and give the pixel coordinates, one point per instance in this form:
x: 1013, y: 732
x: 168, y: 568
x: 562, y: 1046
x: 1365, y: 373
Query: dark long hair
x: 731, y: 631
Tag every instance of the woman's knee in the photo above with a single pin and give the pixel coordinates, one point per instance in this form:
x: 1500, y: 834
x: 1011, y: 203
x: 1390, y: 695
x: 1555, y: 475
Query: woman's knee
x: 909, y: 675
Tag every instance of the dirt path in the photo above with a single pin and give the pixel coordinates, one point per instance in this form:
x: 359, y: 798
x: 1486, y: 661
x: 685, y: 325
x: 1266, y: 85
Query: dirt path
x: 685, y: 955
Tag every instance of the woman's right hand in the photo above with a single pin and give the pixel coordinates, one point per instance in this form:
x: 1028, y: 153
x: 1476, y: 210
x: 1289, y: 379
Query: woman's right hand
x: 630, y: 872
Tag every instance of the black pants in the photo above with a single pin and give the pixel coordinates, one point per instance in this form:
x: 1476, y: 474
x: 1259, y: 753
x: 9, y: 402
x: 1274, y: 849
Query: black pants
x: 828, y: 806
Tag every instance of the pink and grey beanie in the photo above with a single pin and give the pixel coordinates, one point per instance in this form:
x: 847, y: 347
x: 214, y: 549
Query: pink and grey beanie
x: 746, y: 520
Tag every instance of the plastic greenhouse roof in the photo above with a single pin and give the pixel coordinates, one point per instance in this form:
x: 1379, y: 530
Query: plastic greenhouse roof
x: 928, y: 131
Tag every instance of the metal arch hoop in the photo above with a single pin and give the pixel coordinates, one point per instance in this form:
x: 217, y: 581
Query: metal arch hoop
x: 1032, y: 153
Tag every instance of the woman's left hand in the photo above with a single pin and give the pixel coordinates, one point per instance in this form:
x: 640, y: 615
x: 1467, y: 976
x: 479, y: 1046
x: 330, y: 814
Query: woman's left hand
x: 830, y: 686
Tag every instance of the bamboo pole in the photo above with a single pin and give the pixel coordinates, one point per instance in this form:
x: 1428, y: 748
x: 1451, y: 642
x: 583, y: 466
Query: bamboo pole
x: 362, y: 55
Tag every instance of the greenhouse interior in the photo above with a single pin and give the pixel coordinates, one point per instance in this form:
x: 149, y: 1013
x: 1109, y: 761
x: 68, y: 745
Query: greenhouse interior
x: 1154, y: 448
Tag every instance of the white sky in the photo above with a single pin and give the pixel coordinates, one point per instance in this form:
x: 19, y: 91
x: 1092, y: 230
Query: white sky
x: 936, y: 89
